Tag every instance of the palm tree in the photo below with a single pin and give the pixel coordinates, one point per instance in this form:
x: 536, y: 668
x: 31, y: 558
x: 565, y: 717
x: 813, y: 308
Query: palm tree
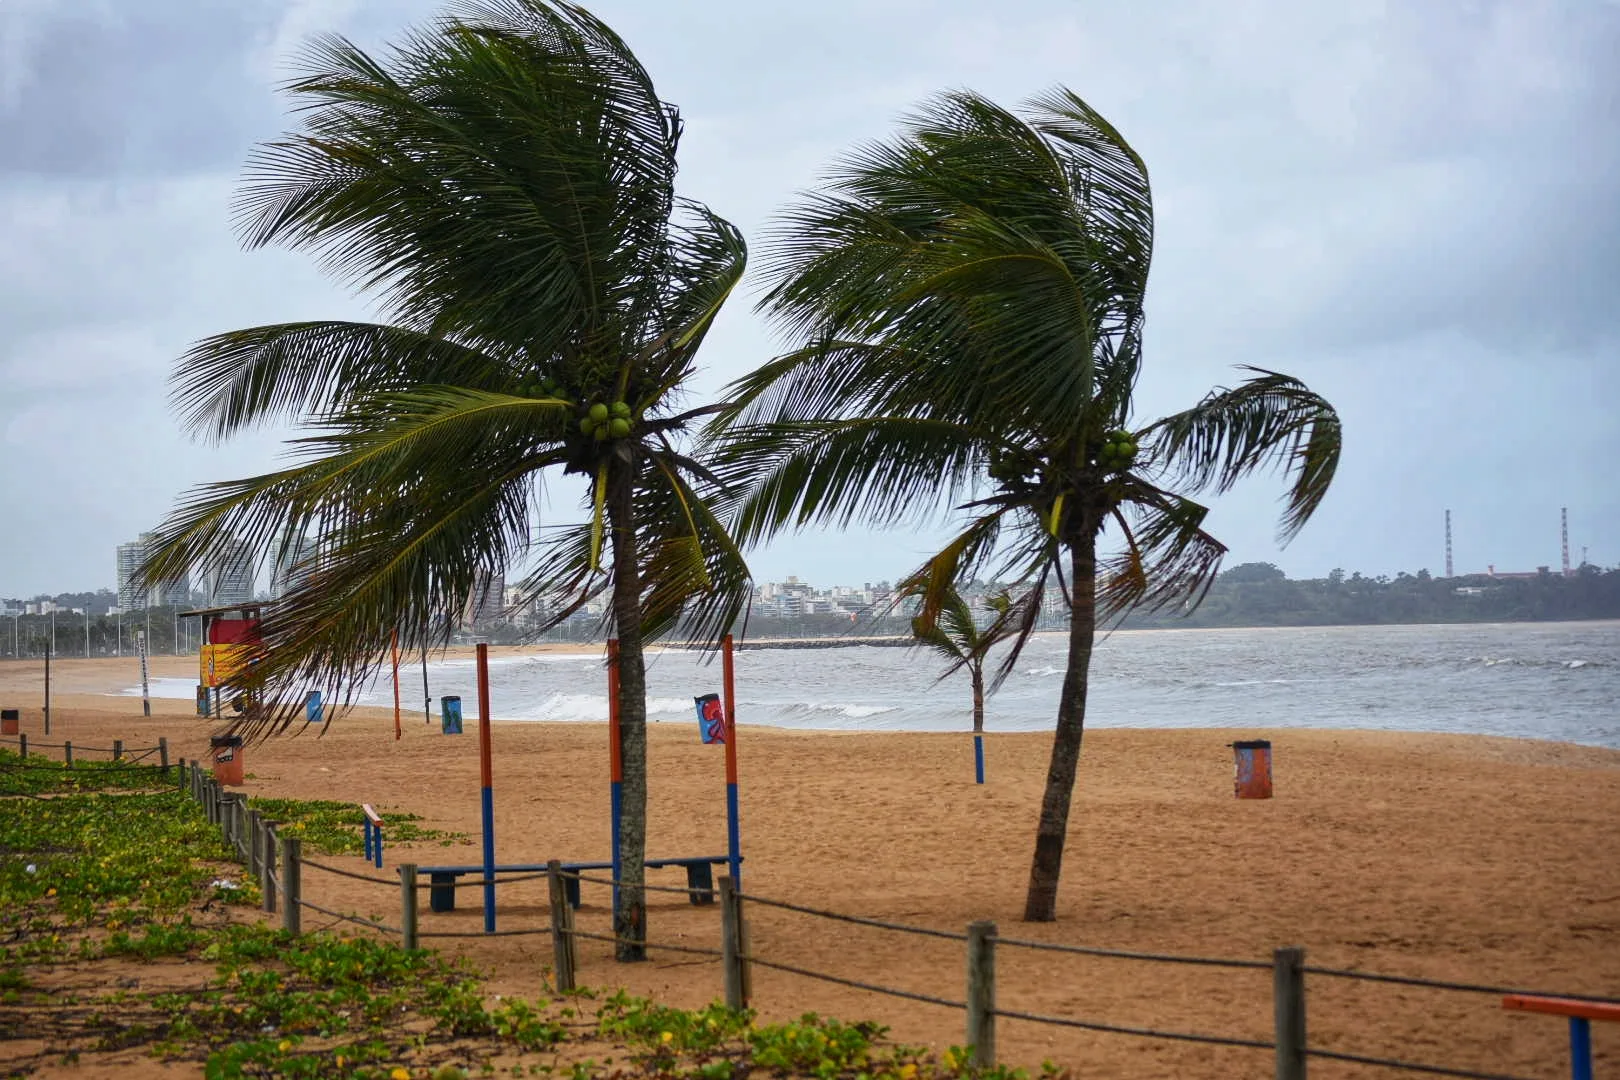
x: 502, y: 182
x: 956, y: 636
x: 968, y: 299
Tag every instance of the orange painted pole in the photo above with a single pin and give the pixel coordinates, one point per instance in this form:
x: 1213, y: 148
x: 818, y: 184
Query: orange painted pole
x: 393, y: 646
x: 733, y: 825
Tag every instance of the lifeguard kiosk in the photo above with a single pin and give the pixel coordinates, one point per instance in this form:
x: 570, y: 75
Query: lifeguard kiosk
x: 231, y: 644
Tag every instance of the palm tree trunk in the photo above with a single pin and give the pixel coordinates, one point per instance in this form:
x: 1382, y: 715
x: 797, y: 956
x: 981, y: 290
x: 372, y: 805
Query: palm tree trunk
x: 978, y: 698
x: 1041, y: 903
x: 630, y: 914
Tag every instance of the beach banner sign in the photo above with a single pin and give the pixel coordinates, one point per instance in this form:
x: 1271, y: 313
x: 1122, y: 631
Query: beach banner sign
x: 711, y: 718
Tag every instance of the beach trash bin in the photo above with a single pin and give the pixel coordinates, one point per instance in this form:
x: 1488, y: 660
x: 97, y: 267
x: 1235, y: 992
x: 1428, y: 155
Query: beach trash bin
x: 227, y: 752
x: 1252, y: 769
x: 450, y: 715
x: 312, y: 707
x: 10, y: 722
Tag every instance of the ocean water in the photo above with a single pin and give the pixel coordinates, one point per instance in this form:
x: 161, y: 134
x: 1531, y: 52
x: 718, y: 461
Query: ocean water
x: 1557, y: 681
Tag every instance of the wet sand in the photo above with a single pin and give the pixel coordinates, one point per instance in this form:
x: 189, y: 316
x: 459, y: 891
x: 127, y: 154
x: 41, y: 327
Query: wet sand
x: 1476, y: 859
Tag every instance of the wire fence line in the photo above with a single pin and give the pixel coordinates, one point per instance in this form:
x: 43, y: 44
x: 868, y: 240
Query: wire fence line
x: 822, y: 976
x: 1150, y: 1033
x: 904, y: 928
x: 1120, y: 954
x: 737, y: 958
x: 340, y: 872
x: 1440, y: 984
x: 1407, y: 1066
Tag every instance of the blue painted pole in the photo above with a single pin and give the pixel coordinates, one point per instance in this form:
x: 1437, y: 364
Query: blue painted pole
x: 734, y: 835
x: 487, y: 788
x: 733, y: 820
x: 1580, y: 1048
x: 978, y: 758
x: 615, y: 764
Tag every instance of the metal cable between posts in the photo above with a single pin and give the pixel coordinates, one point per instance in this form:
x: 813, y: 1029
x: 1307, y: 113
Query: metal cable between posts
x: 473, y: 882
x: 481, y: 933
x: 349, y: 873
x: 357, y: 920
x: 854, y: 984
x: 689, y: 891
x: 858, y: 920
x: 1119, y: 954
x: 1409, y: 1066
x: 615, y: 940
x: 1147, y: 1033
x: 1437, y: 984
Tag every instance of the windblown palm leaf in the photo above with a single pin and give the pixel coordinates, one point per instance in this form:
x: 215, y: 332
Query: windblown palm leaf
x: 966, y: 302
x: 502, y: 183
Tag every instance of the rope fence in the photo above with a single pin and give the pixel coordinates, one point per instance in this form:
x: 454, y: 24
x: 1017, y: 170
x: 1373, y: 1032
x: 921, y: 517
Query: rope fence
x: 277, y: 863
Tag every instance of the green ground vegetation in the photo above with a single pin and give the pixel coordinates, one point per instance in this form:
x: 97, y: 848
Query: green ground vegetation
x: 126, y: 928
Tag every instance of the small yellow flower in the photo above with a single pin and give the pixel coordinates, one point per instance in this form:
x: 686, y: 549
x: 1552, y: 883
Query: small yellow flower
x: 51, y: 891
x: 948, y: 1058
x: 283, y: 1045
x: 908, y: 1071
x: 400, y: 1073
x: 667, y: 1036
x: 340, y: 1061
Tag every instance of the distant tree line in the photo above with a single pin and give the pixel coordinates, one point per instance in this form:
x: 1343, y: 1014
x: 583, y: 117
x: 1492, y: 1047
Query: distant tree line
x: 1260, y: 594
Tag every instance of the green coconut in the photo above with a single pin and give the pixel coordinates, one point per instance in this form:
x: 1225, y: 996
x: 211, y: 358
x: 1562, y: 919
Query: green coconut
x: 620, y: 410
x: 598, y: 412
x: 586, y: 425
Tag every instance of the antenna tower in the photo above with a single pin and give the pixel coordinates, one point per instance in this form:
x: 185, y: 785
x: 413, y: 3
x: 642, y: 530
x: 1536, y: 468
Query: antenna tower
x: 1448, y: 543
x: 1564, y: 516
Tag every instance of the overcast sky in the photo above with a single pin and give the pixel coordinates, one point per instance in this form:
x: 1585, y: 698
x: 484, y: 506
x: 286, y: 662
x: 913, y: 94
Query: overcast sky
x: 1413, y: 206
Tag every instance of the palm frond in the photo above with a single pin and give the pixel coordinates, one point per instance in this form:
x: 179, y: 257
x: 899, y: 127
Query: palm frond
x: 884, y: 469
x: 1269, y: 421
x: 234, y: 380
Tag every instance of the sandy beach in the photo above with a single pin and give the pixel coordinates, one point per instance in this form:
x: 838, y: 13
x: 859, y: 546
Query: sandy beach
x: 1476, y: 859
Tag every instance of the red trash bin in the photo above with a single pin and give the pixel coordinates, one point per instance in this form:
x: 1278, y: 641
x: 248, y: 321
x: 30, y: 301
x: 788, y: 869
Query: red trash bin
x: 1252, y: 769
x: 227, y: 751
x: 10, y: 721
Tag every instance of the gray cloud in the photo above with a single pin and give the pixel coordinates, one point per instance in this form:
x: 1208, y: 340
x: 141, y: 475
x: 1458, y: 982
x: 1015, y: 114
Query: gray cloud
x: 1417, y: 207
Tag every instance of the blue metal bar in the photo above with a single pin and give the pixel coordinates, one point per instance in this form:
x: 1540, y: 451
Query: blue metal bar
x: 978, y: 758
x: 616, y: 802
x: 489, y: 857
x: 734, y: 837
x: 1580, y: 1048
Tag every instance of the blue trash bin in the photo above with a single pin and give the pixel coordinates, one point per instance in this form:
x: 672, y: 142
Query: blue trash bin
x: 450, y: 715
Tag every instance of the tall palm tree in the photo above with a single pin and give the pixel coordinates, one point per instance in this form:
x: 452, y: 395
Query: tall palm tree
x: 968, y: 299
x: 502, y: 182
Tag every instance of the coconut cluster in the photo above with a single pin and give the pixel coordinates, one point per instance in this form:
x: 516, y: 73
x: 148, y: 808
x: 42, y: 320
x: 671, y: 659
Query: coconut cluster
x: 1118, y: 451
x: 606, y: 421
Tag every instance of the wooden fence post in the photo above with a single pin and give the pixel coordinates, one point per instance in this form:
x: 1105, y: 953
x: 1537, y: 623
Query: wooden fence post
x: 981, y: 993
x: 562, y: 929
x: 118, y: 749
x: 733, y: 945
x: 253, y: 858
x: 180, y: 775
x: 291, y: 885
x: 267, y: 850
x: 163, y: 754
x: 1288, y: 993
x: 22, y: 744
x: 407, y: 904
x: 67, y: 754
